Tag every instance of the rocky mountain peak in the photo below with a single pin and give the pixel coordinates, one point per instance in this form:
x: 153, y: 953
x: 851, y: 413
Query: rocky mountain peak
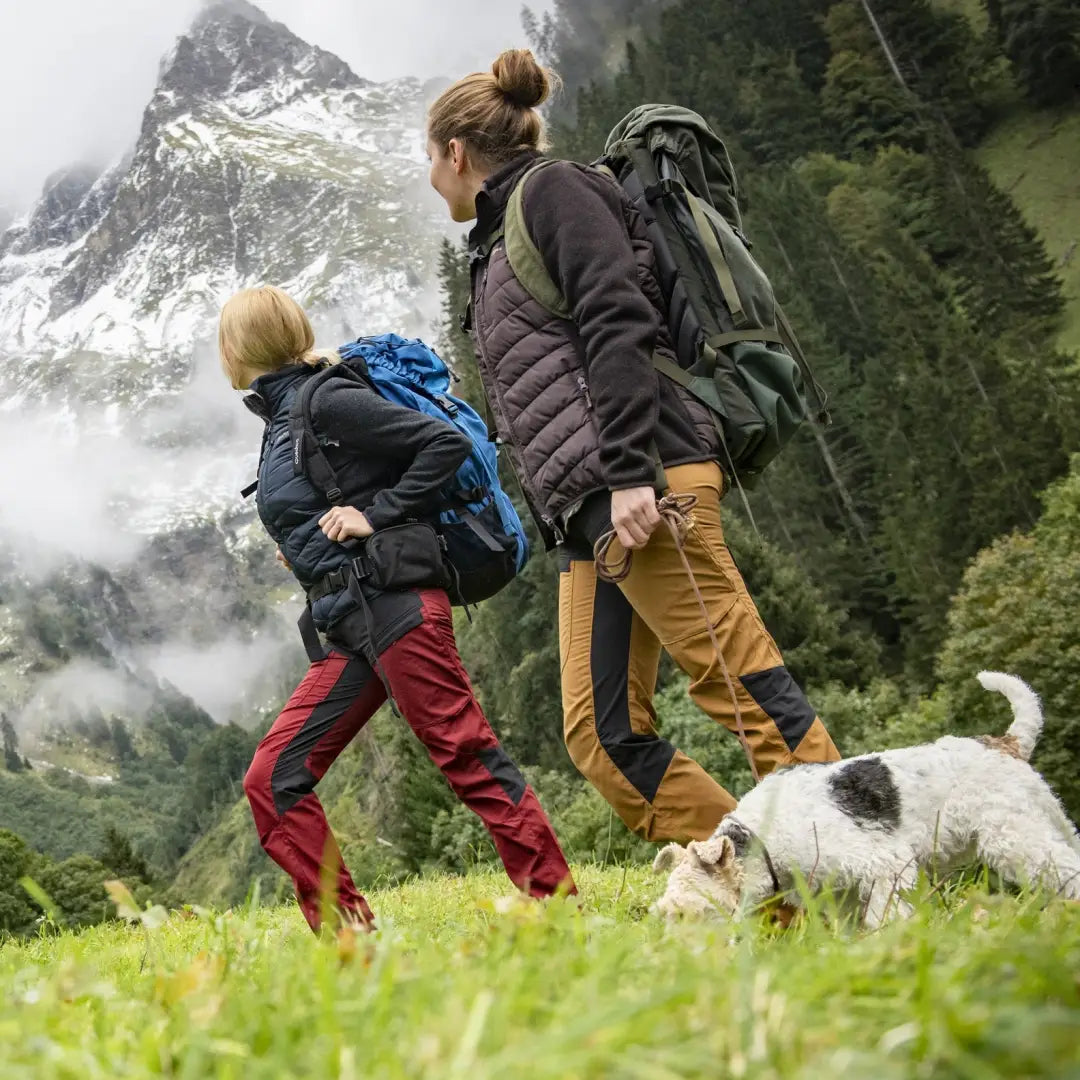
x: 233, y: 50
x: 218, y: 11
x: 69, y: 205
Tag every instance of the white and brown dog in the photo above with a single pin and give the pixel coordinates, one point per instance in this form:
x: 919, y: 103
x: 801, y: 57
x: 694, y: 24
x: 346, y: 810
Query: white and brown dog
x: 865, y: 826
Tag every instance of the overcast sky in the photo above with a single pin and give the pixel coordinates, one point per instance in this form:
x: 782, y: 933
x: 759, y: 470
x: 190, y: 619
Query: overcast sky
x: 76, y: 74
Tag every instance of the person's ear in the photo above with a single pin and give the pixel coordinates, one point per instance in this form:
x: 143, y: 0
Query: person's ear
x: 459, y: 158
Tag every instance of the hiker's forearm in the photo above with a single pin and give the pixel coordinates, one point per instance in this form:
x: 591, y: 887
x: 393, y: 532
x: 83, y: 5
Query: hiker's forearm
x: 370, y: 427
x: 576, y: 221
x: 415, y: 494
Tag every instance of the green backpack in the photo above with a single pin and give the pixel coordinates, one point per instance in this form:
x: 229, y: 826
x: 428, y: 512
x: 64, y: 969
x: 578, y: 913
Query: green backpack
x: 736, y: 351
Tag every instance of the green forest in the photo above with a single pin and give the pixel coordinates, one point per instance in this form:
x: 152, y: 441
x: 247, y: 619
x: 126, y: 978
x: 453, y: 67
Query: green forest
x: 908, y: 173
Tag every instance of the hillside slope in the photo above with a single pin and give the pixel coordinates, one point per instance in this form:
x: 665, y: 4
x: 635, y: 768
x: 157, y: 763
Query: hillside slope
x: 1035, y: 156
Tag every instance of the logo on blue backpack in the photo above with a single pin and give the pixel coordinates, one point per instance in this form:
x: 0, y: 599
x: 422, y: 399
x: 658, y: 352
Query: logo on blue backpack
x: 485, y: 541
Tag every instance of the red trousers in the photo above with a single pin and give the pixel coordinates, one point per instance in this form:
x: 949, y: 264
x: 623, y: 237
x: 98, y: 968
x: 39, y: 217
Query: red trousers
x: 334, y: 701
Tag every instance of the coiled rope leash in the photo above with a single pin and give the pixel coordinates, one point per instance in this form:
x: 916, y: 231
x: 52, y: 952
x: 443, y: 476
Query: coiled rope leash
x: 676, y: 511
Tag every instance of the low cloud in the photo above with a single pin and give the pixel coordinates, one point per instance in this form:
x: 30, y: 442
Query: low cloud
x: 230, y: 678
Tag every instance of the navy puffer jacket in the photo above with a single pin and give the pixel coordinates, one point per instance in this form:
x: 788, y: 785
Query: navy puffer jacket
x: 390, y: 462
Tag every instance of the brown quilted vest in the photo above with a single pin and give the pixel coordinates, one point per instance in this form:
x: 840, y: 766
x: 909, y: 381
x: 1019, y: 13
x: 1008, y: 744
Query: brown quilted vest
x: 532, y: 367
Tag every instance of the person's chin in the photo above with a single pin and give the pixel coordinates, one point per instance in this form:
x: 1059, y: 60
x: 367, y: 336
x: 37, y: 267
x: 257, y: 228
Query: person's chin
x: 461, y: 214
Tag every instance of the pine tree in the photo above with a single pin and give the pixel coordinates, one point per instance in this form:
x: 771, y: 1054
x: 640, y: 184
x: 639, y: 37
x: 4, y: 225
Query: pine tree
x: 455, y: 345
x: 121, y: 859
x: 960, y: 440
x: 121, y: 740
x: 12, y: 761
x: 1003, y: 279
x: 940, y: 59
x: 1041, y: 38
x: 779, y: 117
x: 862, y: 98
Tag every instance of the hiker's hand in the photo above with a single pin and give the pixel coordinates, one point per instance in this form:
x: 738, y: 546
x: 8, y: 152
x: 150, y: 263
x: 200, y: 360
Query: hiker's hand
x: 345, y: 523
x: 634, y: 516
x: 280, y: 556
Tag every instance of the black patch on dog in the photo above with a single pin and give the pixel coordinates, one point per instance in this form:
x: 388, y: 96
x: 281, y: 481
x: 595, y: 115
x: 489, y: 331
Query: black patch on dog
x: 866, y: 792
x: 738, y: 834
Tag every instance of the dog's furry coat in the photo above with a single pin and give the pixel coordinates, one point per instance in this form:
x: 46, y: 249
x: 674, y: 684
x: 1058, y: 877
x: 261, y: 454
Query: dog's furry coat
x: 869, y: 823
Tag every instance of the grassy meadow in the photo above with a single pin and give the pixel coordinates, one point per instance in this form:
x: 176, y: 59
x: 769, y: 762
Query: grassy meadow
x: 461, y: 981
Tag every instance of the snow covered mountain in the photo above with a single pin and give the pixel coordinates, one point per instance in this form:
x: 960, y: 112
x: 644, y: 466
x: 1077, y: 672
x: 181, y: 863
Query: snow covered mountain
x: 260, y: 158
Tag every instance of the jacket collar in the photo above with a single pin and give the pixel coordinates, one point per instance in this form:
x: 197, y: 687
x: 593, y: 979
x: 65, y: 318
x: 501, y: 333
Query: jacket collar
x: 268, y: 392
x: 493, y: 196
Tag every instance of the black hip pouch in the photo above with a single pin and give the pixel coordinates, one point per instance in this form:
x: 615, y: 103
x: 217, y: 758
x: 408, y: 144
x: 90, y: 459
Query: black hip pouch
x: 409, y: 556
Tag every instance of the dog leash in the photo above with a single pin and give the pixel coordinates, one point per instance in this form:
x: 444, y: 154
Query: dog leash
x: 676, y: 511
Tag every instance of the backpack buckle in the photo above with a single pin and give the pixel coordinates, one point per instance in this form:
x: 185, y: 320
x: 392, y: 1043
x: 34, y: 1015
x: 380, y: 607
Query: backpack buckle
x: 447, y: 405
x: 655, y: 192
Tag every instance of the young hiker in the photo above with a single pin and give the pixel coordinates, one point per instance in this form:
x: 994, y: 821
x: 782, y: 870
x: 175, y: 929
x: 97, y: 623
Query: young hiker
x: 584, y: 414
x: 391, y: 461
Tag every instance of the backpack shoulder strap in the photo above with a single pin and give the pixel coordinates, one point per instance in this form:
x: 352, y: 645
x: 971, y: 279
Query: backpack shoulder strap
x: 523, y: 254
x: 308, y: 457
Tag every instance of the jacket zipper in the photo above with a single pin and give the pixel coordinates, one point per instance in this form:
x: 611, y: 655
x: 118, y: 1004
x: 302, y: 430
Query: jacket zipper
x: 583, y: 386
x: 526, y: 480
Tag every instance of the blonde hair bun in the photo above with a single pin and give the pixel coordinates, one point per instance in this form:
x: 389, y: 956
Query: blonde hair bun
x: 521, y: 78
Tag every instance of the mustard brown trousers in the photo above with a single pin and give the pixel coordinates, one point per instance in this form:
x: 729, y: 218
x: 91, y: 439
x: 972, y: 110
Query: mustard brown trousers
x: 610, y: 637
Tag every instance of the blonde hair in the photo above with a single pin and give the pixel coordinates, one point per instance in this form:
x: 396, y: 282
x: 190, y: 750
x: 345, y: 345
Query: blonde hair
x: 494, y: 112
x: 263, y: 330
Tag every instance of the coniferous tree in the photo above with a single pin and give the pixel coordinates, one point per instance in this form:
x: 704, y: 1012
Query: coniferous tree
x: 584, y: 39
x: 121, y: 859
x: 864, y: 100
x: 1004, y: 281
x: 779, y: 117
x: 121, y: 740
x: 455, y: 347
x: 13, y: 762
x: 1041, y: 38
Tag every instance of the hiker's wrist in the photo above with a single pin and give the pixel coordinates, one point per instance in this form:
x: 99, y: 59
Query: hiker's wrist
x: 634, y: 515
x: 379, y: 518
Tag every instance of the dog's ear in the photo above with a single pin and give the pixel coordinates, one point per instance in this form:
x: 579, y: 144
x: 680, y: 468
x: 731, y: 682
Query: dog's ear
x: 668, y: 857
x: 715, y: 854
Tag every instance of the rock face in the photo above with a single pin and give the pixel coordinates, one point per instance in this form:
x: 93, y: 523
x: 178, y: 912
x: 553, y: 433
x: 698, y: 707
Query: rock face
x: 260, y: 158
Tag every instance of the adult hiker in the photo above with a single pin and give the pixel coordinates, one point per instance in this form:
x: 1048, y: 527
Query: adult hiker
x: 390, y: 462
x: 577, y: 399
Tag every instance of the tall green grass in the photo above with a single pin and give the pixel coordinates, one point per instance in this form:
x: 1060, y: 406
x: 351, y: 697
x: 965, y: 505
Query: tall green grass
x: 459, y: 984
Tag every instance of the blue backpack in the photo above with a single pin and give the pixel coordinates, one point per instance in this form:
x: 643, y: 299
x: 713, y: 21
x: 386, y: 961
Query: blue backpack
x: 481, y: 532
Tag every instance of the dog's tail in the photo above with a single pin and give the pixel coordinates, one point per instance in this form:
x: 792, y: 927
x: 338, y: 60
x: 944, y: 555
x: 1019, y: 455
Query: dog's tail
x: 1027, y: 711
